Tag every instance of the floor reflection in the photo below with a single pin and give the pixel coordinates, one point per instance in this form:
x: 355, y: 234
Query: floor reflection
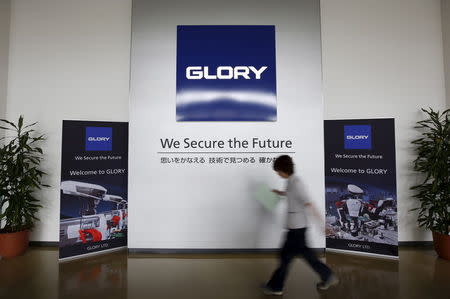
x: 442, y: 273
x: 33, y: 275
x: 363, y: 277
x: 94, y: 277
x: 37, y: 274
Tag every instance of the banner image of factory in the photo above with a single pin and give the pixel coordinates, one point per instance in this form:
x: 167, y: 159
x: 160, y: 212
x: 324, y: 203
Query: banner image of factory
x: 226, y: 73
x: 360, y: 186
x: 93, y: 189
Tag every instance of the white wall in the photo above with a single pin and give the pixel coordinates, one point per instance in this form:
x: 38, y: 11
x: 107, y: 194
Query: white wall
x: 445, y: 7
x: 384, y: 59
x: 5, y: 11
x: 213, y: 206
x: 68, y: 60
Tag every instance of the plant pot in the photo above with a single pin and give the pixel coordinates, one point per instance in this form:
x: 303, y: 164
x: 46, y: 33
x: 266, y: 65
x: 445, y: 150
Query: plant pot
x: 442, y: 245
x: 14, y: 244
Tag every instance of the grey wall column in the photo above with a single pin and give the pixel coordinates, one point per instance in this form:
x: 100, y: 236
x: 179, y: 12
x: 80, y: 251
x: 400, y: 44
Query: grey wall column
x: 445, y: 6
x: 5, y: 18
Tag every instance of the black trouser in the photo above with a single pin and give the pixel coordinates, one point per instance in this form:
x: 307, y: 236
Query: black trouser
x: 295, y: 245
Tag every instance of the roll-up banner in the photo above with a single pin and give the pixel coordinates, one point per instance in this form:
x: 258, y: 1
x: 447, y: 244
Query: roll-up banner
x: 94, y: 188
x: 360, y: 186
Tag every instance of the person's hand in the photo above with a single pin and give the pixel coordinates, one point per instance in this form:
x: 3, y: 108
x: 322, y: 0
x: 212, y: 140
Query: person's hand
x: 278, y: 192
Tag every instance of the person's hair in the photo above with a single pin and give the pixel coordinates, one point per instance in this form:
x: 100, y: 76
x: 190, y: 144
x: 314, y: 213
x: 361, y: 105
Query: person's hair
x: 284, y: 163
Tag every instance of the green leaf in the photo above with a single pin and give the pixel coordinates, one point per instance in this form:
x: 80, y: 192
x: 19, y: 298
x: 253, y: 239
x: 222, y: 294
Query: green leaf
x: 433, y: 160
x: 20, y: 122
x: 20, y: 159
x: 30, y: 125
x: 8, y: 122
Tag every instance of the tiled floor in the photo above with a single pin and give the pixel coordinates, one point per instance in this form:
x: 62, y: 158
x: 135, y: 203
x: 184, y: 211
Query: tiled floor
x: 419, y: 273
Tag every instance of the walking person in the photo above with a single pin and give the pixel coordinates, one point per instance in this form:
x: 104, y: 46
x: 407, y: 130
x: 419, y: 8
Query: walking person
x: 295, y: 242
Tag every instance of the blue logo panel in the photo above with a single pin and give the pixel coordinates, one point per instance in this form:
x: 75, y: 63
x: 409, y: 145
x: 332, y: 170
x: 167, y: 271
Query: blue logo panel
x: 98, y: 139
x: 358, y: 137
x: 226, y: 73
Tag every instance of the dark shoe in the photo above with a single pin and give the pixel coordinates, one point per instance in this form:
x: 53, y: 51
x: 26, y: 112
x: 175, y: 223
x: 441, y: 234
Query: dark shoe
x: 271, y: 292
x: 331, y: 281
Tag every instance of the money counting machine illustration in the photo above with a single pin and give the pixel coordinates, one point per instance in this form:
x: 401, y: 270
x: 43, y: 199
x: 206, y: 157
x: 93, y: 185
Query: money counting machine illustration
x: 89, y: 225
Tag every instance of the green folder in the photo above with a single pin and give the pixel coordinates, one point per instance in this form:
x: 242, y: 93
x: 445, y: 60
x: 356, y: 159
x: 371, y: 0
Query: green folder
x: 263, y: 194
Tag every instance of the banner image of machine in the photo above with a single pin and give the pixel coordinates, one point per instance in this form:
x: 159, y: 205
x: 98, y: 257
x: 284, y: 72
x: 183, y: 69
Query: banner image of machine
x: 360, y: 186
x: 93, y: 190
x: 355, y: 214
x: 91, y: 226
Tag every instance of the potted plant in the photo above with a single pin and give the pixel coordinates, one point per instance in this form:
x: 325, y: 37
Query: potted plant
x: 433, y: 160
x: 20, y: 177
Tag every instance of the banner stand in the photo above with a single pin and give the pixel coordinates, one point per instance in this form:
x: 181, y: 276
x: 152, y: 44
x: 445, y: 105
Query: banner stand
x: 94, y: 188
x: 360, y: 187
x: 365, y: 254
x: 73, y: 258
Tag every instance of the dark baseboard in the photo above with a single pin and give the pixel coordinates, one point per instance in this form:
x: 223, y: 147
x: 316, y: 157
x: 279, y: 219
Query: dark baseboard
x: 423, y: 244
x: 209, y: 251
x: 415, y: 243
x: 198, y: 251
x: 44, y: 244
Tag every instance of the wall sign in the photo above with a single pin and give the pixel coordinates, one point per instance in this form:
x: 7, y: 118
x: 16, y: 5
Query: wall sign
x: 195, y: 179
x: 226, y: 73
